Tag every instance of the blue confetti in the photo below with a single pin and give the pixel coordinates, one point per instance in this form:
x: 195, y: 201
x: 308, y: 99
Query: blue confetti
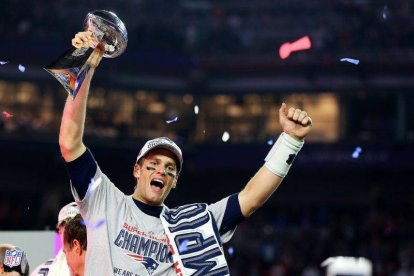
x: 231, y: 250
x: 356, y: 152
x: 91, y: 225
x: 270, y: 142
x: 172, y: 121
x: 22, y: 68
x: 183, y: 246
x: 351, y: 60
x: 3, y: 62
x: 385, y: 12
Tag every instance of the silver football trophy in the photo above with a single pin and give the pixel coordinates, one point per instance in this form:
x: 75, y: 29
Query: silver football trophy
x: 71, y: 67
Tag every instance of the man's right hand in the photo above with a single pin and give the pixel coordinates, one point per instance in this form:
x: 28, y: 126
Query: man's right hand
x: 84, y: 40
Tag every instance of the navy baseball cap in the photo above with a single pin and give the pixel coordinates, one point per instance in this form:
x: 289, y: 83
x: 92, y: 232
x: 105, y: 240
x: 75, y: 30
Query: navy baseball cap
x: 163, y: 143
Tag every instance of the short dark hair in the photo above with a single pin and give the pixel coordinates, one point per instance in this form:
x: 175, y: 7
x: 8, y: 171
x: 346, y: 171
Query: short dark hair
x: 75, y: 229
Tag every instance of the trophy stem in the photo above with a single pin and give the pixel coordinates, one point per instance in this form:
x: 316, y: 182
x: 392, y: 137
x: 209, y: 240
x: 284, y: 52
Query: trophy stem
x: 80, y: 78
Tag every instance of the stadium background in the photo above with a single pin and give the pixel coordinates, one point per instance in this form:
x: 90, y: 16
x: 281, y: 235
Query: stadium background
x: 222, y: 56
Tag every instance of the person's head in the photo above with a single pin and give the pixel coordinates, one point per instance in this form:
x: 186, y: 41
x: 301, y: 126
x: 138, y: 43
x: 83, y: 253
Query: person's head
x: 13, y: 261
x: 75, y: 244
x: 67, y: 212
x: 156, y: 171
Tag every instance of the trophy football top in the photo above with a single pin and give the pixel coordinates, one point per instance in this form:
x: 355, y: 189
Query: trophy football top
x: 107, y: 27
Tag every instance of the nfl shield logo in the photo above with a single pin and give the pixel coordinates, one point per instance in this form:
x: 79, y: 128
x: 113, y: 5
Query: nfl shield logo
x: 13, y: 258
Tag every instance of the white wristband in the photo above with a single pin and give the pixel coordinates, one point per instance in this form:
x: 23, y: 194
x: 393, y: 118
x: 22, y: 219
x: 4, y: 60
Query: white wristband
x: 281, y: 156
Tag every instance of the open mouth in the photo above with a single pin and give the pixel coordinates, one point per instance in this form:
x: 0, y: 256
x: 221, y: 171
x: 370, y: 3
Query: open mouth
x: 156, y: 183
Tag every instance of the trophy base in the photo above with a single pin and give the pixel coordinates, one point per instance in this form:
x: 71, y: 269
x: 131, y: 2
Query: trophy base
x: 70, y: 69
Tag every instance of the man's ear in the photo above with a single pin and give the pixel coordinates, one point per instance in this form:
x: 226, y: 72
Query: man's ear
x: 77, y: 247
x: 174, y: 184
x: 137, y: 170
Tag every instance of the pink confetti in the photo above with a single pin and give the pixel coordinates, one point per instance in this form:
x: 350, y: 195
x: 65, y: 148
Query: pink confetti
x: 8, y: 115
x: 287, y: 48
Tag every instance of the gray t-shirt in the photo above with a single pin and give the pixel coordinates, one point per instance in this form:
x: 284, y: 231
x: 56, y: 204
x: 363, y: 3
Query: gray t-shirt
x: 125, y: 240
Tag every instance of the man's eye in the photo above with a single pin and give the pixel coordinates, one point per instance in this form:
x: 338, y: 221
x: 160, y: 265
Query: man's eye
x: 150, y: 168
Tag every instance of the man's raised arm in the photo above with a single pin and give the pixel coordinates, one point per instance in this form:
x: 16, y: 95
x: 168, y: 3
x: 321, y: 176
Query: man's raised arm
x: 296, y: 125
x: 73, y: 118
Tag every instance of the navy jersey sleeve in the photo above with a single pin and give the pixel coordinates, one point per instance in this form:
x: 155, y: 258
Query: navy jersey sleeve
x: 81, y: 171
x: 232, y: 216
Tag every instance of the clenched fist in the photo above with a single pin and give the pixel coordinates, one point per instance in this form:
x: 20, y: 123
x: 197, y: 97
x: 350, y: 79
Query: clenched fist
x: 295, y: 122
x: 84, y: 40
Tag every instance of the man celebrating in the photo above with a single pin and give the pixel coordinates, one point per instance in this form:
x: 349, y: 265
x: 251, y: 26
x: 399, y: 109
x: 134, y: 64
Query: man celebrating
x: 138, y: 234
x: 58, y: 266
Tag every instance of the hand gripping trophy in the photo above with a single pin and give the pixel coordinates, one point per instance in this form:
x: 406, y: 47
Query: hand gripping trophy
x: 71, y: 67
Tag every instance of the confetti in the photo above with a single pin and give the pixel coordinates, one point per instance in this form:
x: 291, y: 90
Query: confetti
x: 287, y: 48
x: 22, y: 68
x: 196, y: 109
x: 183, y: 246
x: 225, y: 137
x: 93, y: 185
x: 356, y: 152
x: 270, y: 142
x: 351, y: 60
x: 91, y: 225
x: 8, y: 115
x: 3, y: 62
x: 172, y: 120
x: 385, y: 12
x: 230, y: 250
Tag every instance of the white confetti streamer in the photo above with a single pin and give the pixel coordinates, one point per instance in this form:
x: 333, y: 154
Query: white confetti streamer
x: 225, y: 137
x: 172, y: 120
x: 22, y: 68
x: 350, y: 60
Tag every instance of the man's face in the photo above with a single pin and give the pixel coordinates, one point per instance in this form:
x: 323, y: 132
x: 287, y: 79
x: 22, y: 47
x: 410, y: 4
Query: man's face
x: 73, y: 256
x: 156, y: 177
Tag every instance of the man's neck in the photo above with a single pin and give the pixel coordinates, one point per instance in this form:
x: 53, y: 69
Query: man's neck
x: 154, y: 211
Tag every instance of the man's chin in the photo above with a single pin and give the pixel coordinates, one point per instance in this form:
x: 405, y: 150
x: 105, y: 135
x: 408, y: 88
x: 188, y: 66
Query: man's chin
x: 154, y: 201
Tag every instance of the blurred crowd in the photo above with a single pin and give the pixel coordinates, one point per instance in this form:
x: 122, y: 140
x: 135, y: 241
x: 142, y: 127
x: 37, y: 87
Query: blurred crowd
x: 221, y: 27
x: 296, y: 240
